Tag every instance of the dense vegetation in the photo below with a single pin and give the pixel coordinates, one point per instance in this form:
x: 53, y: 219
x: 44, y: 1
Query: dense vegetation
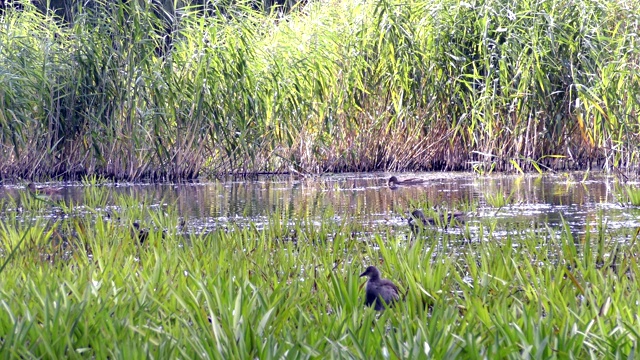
x: 331, y: 86
x: 86, y: 287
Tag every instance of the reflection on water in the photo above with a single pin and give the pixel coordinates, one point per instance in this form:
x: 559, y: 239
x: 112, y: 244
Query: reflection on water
x: 365, y: 198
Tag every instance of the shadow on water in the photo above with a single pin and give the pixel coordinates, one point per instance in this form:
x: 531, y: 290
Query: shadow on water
x: 366, y: 199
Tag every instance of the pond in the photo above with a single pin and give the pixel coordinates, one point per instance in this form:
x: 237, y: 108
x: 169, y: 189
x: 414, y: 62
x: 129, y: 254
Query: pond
x: 366, y: 199
x: 270, y: 268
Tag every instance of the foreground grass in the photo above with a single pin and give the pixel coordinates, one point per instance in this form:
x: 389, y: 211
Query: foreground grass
x: 332, y: 86
x: 85, y: 287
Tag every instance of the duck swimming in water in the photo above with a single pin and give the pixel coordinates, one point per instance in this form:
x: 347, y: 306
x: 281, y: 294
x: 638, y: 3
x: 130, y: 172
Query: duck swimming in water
x: 43, y: 190
x: 418, y: 220
x: 394, y: 182
x: 379, y: 292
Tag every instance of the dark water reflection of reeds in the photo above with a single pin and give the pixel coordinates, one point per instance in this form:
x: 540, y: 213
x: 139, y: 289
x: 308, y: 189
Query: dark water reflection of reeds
x: 366, y: 198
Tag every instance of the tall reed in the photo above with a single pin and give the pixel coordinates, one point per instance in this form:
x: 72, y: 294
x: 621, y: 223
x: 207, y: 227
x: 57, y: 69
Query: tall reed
x: 331, y: 86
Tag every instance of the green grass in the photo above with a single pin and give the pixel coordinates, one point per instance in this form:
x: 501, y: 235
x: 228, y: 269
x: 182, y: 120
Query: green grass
x: 84, y: 287
x: 498, y: 199
x: 330, y: 86
x: 627, y: 194
x: 634, y: 195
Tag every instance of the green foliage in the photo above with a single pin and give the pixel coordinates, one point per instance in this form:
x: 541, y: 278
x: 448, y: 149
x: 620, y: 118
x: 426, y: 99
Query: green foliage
x: 86, y: 287
x: 627, y: 194
x: 634, y: 195
x: 142, y: 90
x: 498, y: 199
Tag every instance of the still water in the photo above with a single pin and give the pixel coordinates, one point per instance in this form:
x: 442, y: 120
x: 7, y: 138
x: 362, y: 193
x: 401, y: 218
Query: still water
x: 366, y: 199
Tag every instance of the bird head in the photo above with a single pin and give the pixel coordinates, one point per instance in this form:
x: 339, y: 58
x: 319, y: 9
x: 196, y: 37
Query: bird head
x: 372, y: 272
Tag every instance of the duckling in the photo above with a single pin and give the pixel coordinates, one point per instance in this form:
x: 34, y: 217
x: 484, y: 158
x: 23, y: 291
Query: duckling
x: 379, y: 291
x: 137, y: 233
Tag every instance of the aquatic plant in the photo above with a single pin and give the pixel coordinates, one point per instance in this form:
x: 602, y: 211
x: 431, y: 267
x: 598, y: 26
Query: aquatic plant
x: 627, y: 194
x: 499, y: 199
x: 83, y: 287
x: 634, y: 195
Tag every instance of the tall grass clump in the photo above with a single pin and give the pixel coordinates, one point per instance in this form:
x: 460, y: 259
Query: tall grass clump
x: 91, y: 97
x: 147, y: 90
x: 85, y: 286
x: 628, y: 194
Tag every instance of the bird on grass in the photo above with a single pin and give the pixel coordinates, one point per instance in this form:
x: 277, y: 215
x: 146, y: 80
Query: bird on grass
x: 395, y: 183
x: 418, y: 220
x: 381, y: 292
x: 43, y: 190
x: 141, y: 234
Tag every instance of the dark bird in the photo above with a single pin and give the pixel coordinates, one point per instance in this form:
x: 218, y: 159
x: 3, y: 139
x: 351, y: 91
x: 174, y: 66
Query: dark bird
x: 379, y: 290
x: 43, y: 190
x: 139, y: 233
x: 394, y: 182
x: 418, y: 219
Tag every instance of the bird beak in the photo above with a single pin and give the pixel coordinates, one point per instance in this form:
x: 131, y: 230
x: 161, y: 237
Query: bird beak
x: 363, y: 274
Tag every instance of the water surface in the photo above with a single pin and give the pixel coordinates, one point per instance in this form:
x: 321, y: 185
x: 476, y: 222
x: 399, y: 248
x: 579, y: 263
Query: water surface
x: 366, y: 199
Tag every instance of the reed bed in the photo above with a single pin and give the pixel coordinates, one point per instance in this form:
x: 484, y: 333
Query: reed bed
x: 131, y: 90
x: 81, y: 285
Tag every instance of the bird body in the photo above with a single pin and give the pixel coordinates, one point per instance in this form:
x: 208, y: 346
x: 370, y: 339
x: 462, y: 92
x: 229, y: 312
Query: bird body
x: 43, y: 190
x: 139, y: 233
x: 379, y: 291
x: 394, y: 182
x: 446, y: 219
